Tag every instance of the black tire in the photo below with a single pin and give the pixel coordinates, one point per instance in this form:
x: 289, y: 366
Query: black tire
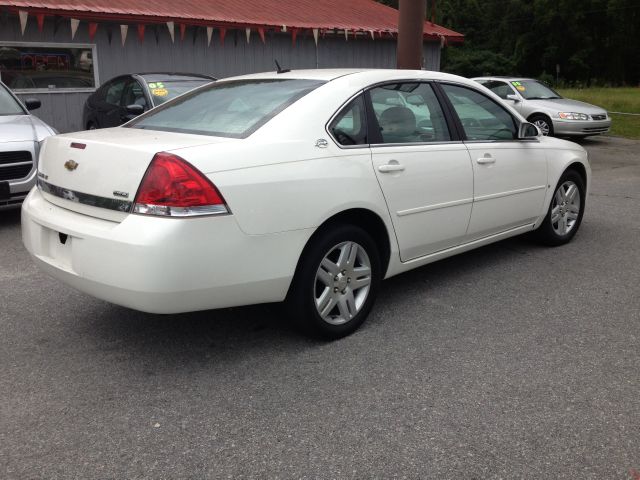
x: 301, y: 300
x: 549, y: 235
x: 539, y: 120
x: 91, y: 126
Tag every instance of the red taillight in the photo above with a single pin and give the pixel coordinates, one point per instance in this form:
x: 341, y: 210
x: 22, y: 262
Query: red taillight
x: 173, y: 187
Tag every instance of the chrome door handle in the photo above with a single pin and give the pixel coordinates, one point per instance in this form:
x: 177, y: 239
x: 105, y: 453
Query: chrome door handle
x: 486, y: 159
x: 392, y: 166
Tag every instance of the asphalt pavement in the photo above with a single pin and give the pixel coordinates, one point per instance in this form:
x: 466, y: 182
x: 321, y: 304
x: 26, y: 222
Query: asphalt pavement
x: 511, y: 361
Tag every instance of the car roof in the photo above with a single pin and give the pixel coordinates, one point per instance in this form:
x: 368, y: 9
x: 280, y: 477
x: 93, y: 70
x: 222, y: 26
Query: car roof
x: 508, y: 79
x: 355, y: 74
x: 172, y: 76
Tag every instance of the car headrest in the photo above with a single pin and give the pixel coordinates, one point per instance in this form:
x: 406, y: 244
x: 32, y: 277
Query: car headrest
x: 398, y: 121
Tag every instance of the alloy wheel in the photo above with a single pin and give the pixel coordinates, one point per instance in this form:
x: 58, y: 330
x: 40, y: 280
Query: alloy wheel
x: 565, y: 208
x: 543, y: 126
x: 342, y: 283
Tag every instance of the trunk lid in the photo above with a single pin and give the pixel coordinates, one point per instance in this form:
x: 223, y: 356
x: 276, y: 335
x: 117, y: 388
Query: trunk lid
x: 98, y: 172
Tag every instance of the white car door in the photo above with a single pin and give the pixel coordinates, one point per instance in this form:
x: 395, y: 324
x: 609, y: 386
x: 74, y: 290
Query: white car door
x: 510, y: 175
x: 425, y: 174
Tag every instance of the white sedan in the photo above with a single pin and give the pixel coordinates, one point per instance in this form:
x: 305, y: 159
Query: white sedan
x: 307, y: 187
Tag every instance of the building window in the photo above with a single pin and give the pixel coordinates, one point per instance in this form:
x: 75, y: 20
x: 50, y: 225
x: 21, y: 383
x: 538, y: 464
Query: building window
x: 48, y: 67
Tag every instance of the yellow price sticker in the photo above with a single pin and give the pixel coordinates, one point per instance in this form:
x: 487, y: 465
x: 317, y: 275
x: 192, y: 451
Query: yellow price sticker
x: 159, y: 92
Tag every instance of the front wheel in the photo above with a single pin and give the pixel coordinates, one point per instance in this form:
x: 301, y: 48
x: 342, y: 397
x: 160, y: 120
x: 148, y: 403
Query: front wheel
x: 565, y: 212
x: 336, y: 282
x: 543, y: 123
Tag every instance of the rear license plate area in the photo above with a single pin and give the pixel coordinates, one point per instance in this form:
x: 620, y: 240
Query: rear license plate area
x: 58, y: 247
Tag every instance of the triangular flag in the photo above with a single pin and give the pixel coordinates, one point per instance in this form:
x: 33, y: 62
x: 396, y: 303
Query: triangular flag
x: 209, y: 35
x: 40, y: 20
x: 223, y: 32
x: 123, y: 33
x: 74, y: 27
x: 284, y: 28
x: 183, y: 28
x: 346, y: 34
x: 294, y: 34
x: 23, y: 20
x: 315, y: 35
x: 261, y: 33
x: 93, y: 27
x: 373, y: 37
x: 248, y: 32
x: 171, y: 27
x: 141, y: 33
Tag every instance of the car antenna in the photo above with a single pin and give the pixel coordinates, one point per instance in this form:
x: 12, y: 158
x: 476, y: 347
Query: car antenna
x: 280, y: 69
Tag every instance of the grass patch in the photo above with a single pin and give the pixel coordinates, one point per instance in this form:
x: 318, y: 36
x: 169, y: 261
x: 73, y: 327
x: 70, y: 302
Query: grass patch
x: 613, y: 100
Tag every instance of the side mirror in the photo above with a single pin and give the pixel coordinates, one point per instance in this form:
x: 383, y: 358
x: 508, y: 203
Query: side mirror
x: 513, y: 97
x: 32, y: 103
x: 528, y: 131
x: 135, y: 109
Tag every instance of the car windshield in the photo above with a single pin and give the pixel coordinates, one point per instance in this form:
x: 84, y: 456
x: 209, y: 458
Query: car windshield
x: 233, y: 109
x: 8, y: 105
x: 534, y: 90
x: 161, y: 91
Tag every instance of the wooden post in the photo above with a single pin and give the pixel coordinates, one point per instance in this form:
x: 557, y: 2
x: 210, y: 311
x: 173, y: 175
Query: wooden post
x: 410, y: 33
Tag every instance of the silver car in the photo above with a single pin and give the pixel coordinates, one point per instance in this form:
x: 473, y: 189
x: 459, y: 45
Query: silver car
x: 20, y: 134
x: 548, y: 110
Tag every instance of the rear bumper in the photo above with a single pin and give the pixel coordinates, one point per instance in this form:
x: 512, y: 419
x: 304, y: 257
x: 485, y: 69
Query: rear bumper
x: 160, y: 265
x: 581, y: 128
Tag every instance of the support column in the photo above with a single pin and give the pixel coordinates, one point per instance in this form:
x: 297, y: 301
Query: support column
x: 410, y: 33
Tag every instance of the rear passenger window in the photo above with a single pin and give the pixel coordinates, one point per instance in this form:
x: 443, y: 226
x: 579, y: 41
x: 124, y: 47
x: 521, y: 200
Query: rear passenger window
x: 350, y: 125
x: 481, y: 117
x: 409, y: 113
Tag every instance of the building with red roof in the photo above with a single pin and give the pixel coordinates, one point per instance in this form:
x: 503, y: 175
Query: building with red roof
x: 94, y: 40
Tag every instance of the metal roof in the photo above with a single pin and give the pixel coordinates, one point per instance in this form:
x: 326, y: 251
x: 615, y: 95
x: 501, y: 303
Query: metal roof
x: 352, y: 15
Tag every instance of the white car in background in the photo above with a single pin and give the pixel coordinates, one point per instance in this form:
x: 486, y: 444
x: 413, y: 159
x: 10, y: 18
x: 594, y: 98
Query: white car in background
x: 292, y: 186
x: 547, y: 109
x: 20, y: 134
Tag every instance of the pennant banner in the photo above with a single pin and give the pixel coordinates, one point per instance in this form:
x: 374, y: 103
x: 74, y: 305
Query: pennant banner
x: 209, y: 35
x: 171, y: 27
x: 74, y: 27
x: 123, y: 33
x: 315, y: 35
x: 223, y: 32
x: 183, y: 28
x: 261, y: 33
x: 40, y: 20
x: 294, y: 34
x: 93, y: 27
x: 23, y: 20
x: 141, y: 33
x: 248, y: 32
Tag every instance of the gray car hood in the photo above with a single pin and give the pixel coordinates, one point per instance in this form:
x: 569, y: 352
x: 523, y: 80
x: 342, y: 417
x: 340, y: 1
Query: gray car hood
x: 568, y: 105
x: 21, y: 128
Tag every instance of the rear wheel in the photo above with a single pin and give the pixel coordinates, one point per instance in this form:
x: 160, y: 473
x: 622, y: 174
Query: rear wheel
x: 336, y: 283
x: 565, y: 212
x: 543, y: 123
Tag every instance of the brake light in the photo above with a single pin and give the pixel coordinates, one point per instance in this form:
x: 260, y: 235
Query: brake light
x: 172, y: 187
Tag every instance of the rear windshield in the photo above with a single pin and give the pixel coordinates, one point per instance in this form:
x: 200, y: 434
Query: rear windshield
x: 8, y: 105
x: 232, y: 109
x: 168, y: 89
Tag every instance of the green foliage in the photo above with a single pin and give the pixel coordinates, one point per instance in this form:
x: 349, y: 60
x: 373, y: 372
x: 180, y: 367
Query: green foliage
x: 594, y: 42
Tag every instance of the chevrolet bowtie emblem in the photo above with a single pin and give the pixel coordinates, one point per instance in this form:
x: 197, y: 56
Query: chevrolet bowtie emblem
x: 70, y: 165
